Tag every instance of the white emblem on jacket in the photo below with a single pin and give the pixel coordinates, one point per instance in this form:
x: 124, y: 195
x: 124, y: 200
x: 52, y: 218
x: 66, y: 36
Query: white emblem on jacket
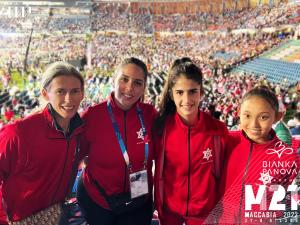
x: 207, y: 154
x: 140, y: 134
x: 266, y: 178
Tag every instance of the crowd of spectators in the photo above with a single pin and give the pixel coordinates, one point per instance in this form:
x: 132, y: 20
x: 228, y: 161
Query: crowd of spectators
x: 109, y: 16
x: 215, y: 51
x: 120, y: 17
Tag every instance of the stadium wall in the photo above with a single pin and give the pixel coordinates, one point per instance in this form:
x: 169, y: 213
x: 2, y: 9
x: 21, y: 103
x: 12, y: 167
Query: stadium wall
x: 195, y: 6
x: 255, y: 3
x: 188, y: 7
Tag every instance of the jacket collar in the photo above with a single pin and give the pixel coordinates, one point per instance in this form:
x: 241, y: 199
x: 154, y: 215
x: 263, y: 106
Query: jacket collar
x: 75, y: 122
x: 262, y: 146
x: 203, y: 124
x: 182, y: 125
x: 116, y: 108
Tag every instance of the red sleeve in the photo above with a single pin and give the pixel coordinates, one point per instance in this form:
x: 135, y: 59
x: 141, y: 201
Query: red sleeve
x: 3, y: 217
x: 10, y: 148
x: 84, y: 145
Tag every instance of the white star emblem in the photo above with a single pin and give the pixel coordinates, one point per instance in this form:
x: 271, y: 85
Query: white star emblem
x: 266, y: 178
x: 140, y: 134
x: 207, y: 154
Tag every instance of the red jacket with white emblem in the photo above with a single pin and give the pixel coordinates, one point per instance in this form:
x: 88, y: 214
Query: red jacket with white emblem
x: 270, y: 163
x: 106, y: 164
x: 36, y: 162
x: 185, y: 179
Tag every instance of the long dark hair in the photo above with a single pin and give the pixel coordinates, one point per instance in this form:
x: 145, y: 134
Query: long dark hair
x: 180, y: 67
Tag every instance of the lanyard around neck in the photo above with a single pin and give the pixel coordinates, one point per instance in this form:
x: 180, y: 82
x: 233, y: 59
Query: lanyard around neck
x: 120, y: 140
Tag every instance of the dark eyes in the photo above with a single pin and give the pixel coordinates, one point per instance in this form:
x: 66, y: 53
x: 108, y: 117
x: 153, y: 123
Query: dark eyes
x: 246, y: 116
x: 64, y: 92
x: 193, y: 91
x: 179, y: 92
x: 135, y: 82
x: 190, y: 92
x: 263, y: 117
x: 124, y: 79
x: 138, y: 83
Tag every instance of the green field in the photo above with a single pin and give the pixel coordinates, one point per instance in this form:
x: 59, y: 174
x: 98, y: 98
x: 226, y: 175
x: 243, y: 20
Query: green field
x: 285, y: 48
x: 16, y: 79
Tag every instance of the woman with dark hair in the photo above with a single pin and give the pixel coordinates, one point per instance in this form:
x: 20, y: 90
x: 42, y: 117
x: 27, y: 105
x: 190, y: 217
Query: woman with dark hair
x: 189, y: 149
x: 37, y: 153
x: 116, y: 186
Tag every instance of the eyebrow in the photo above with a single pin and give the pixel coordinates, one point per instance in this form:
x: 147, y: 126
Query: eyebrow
x: 247, y: 111
x: 67, y: 88
x: 194, y: 89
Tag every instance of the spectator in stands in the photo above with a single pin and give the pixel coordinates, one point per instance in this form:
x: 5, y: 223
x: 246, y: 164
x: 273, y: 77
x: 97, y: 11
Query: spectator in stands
x: 3, y: 109
x: 296, y: 129
x: 37, y: 153
x: 9, y: 114
x: 255, y: 153
x: 187, y: 149
x: 118, y: 141
x: 281, y: 129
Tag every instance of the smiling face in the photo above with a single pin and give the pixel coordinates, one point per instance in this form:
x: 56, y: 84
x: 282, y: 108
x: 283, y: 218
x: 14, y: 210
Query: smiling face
x: 186, y: 95
x: 64, y: 93
x: 130, y: 85
x: 257, y: 117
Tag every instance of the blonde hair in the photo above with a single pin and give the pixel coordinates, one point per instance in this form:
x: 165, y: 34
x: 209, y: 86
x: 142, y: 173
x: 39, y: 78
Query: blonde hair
x: 60, y: 69
x: 54, y: 70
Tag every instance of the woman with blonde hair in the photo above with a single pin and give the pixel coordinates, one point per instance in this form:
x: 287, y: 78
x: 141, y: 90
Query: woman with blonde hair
x: 38, y: 153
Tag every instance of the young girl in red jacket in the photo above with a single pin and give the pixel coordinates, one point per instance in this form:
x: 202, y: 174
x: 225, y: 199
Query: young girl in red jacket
x: 258, y: 161
x: 189, y: 149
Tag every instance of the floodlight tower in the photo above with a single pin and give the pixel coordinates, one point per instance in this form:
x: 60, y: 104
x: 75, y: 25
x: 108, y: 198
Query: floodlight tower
x: 29, y: 25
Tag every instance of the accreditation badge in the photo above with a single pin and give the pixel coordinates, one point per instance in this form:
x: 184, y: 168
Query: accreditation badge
x: 138, y: 183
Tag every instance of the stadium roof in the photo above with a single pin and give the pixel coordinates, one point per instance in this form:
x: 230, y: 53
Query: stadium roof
x: 95, y: 1
x: 41, y: 3
x: 72, y: 3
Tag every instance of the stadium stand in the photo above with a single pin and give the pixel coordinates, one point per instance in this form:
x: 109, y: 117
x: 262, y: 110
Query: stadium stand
x: 238, y: 44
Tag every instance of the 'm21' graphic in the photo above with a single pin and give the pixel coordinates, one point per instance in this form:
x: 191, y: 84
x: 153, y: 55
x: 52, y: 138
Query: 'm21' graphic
x: 278, y: 194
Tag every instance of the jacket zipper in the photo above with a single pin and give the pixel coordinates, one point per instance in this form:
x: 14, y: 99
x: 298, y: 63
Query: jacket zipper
x: 63, y: 172
x: 189, y: 172
x: 243, y: 183
x: 125, y: 133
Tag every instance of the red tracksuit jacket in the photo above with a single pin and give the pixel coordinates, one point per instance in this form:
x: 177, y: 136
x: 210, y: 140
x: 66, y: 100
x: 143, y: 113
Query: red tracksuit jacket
x: 106, y: 163
x: 3, y: 217
x: 35, y: 163
x: 185, y: 179
x: 255, y: 164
